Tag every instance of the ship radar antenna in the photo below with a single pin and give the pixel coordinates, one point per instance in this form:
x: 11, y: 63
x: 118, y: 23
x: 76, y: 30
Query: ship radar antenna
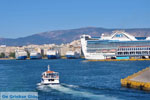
x: 48, y: 68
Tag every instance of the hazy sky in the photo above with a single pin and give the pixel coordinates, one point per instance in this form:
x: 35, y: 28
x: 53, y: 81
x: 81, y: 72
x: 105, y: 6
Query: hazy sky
x: 20, y: 18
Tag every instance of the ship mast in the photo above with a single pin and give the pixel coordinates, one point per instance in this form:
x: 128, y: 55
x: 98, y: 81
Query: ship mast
x: 48, y: 68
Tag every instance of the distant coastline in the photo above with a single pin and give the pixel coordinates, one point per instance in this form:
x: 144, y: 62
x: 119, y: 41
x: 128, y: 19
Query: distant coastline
x: 9, y: 52
x: 66, y: 36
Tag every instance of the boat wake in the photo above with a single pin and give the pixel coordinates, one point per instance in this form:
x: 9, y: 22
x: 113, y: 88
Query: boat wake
x: 67, y: 90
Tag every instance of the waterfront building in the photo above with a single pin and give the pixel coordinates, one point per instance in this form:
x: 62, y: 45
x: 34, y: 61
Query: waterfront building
x: 2, y: 48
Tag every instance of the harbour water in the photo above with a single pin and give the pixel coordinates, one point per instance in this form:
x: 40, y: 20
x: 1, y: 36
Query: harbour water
x: 80, y: 79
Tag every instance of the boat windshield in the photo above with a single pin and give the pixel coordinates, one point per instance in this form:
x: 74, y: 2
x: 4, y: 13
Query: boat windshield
x: 52, y: 75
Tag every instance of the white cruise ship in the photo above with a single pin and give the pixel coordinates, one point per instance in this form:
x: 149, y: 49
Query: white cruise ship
x: 72, y: 55
x: 53, y: 54
x: 119, y: 45
x: 35, y: 55
x: 20, y: 54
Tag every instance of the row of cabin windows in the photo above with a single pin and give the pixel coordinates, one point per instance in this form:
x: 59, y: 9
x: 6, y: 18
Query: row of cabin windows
x: 130, y: 53
x: 50, y: 79
x: 122, y: 49
x: 114, y: 44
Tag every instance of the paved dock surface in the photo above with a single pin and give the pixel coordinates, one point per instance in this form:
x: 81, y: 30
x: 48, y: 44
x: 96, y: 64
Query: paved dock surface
x: 139, y: 80
x: 143, y: 77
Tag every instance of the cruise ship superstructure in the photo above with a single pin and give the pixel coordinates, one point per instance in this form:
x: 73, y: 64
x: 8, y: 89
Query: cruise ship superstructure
x: 118, y: 45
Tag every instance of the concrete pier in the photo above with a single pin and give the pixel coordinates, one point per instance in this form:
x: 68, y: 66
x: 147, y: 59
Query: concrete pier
x: 139, y: 80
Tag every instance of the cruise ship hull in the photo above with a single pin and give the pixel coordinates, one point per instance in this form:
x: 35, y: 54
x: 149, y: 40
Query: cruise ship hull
x: 95, y: 57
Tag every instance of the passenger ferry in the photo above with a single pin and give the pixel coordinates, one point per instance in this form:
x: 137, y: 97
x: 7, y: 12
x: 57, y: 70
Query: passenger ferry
x: 21, y: 54
x: 49, y: 77
x: 119, y: 45
x: 53, y: 54
x: 35, y: 55
x: 72, y: 55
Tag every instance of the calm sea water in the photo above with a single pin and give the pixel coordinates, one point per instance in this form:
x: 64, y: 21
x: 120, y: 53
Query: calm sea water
x: 80, y: 80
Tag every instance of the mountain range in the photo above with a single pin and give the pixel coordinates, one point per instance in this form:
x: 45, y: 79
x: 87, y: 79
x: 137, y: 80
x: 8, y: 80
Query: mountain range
x: 66, y: 36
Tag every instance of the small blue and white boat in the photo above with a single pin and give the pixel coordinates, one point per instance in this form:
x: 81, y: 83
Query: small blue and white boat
x: 72, y: 55
x: 35, y: 55
x: 21, y: 54
x: 53, y: 54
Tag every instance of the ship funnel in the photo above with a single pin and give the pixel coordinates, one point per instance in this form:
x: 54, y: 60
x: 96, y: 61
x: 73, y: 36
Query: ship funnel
x: 48, y: 68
